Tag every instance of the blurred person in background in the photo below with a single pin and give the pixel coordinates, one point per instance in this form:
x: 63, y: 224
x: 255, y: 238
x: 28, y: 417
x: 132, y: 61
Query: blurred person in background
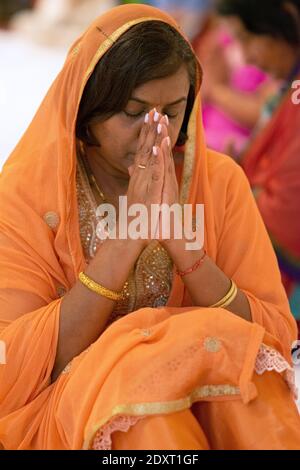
x: 233, y: 92
x: 269, y: 33
x: 58, y: 22
x: 9, y: 7
x: 189, y: 14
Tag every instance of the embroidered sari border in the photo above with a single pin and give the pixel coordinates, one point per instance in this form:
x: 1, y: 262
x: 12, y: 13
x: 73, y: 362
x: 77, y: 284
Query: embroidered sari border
x: 142, y: 409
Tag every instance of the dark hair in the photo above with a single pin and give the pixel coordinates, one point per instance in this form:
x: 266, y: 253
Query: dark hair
x: 147, y: 51
x: 270, y: 17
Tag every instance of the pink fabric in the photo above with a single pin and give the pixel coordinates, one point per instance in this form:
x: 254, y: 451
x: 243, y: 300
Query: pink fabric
x: 220, y: 128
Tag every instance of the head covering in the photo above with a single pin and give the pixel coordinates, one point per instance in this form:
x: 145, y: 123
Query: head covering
x: 40, y: 174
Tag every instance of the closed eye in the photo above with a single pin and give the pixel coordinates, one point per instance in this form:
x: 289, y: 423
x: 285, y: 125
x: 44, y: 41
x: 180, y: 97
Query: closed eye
x: 133, y: 115
x: 170, y: 116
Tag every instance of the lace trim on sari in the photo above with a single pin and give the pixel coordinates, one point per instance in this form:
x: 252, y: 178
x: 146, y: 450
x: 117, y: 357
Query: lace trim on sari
x: 268, y: 359
x: 102, y: 440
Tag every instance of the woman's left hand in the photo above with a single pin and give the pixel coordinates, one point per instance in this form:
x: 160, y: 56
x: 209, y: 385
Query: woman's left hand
x: 170, y: 192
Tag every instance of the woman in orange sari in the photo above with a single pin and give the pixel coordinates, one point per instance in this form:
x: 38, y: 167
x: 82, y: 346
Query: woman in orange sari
x: 270, y: 36
x: 136, y: 344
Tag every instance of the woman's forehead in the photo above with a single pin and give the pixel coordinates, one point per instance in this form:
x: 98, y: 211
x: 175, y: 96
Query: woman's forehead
x: 171, y: 90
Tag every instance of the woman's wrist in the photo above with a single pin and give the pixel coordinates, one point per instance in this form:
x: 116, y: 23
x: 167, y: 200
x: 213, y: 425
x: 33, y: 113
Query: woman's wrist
x: 182, y: 257
x: 126, y: 245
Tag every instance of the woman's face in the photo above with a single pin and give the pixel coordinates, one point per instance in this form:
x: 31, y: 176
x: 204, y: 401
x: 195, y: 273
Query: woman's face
x: 275, y: 56
x: 119, y: 135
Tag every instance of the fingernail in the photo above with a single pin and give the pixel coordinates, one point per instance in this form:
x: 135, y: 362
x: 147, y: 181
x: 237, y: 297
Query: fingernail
x: 167, y: 119
x: 169, y: 141
x: 159, y: 128
x: 155, y: 151
x: 147, y: 118
x: 156, y: 116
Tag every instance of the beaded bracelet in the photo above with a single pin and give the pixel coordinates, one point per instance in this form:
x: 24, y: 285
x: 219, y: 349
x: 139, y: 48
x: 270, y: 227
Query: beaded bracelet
x: 192, y: 268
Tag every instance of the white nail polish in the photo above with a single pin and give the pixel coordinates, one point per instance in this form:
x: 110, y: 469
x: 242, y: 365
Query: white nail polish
x: 147, y: 118
x: 156, y: 116
x: 167, y: 120
x: 169, y: 141
x: 155, y: 151
x: 159, y: 129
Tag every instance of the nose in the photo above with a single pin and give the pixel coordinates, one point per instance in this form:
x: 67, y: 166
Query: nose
x: 156, y: 113
x: 159, y: 109
x: 140, y: 123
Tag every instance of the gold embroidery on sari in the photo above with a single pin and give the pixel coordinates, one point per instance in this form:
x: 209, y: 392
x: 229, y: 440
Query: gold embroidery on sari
x: 76, y: 50
x: 148, y: 409
x: 212, y: 345
x: 189, y: 157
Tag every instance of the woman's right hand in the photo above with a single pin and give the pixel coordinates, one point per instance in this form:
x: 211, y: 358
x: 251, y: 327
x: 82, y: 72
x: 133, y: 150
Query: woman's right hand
x: 146, y: 184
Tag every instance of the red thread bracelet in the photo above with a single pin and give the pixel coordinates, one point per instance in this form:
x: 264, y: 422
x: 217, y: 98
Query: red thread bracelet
x: 193, y: 268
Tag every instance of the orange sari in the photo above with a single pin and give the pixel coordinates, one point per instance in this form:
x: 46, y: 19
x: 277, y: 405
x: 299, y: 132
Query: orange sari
x: 175, y: 377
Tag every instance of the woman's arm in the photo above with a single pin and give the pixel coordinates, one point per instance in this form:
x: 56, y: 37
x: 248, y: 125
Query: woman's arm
x: 207, y: 284
x: 84, y: 313
x: 245, y: 108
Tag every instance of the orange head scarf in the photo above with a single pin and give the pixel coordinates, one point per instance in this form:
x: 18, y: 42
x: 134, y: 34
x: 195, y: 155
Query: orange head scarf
x: 40, y: 173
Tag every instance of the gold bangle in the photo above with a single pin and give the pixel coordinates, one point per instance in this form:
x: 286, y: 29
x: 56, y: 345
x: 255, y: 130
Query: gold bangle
x: 101, y: 290
x: 228, y: 298
x: 231, y: 298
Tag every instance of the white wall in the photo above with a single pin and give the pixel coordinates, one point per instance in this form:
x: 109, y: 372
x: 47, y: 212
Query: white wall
x: 26, y: 72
